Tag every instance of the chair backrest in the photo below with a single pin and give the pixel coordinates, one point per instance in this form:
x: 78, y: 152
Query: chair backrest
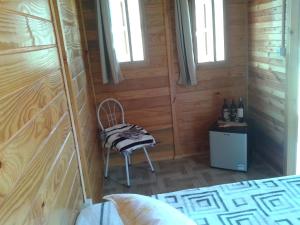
x: 110, y: 112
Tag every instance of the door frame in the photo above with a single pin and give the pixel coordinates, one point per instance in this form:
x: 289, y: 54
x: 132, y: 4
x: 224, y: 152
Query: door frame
x: 292, y: 90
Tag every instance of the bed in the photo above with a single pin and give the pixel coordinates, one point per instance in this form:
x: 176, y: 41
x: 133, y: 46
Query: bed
x: 267, y: 201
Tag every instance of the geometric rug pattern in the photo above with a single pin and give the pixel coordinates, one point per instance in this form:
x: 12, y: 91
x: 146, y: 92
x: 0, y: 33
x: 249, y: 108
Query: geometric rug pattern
x: 255, y: 202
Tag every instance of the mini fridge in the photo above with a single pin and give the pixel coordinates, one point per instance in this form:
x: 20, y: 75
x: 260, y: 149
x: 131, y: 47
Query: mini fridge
x: 228, y: 148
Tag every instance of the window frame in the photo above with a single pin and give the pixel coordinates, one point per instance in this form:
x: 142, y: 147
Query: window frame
x: 213, y: 64
x: 142, y: 19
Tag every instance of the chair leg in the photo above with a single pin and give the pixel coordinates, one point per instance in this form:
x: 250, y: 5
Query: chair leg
x: 127, y: 169
x: 149, y: 160
x: 107, y: 163
x: 129, y: 160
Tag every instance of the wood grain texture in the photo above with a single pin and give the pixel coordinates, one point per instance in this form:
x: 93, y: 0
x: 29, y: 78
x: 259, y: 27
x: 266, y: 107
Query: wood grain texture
x: 32, y: 32
x: 267, y: 79
x: 44, y: 202
x: 22, y: 106
x: 63, y: 214
x: 19, y: 201
x: 81, y: 93
x: 37, y: 150
x: 36, y: 8
x: 16, y: 74
x: 179, y: 117
x: 29, y: 139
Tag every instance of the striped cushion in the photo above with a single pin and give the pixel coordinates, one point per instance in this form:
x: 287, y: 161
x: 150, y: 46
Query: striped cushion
x: 127, y: 137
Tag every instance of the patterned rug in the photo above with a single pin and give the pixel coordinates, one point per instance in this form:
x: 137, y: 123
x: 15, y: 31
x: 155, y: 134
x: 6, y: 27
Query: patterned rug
x: 256, y: 202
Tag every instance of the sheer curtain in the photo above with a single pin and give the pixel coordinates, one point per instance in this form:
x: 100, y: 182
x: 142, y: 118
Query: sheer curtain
x: 184, y: 39
x: 110, y: 68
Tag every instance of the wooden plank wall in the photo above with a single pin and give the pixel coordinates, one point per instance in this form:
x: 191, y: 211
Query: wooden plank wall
x: 145, y: 93
x: 82, y: 96
x: 267, y: 79
x: 39, y: 176
x: 178, y: 117
x: 198, y: 107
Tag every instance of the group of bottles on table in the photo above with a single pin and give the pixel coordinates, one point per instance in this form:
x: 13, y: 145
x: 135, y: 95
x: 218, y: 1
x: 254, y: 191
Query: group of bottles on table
x: 233, y: 113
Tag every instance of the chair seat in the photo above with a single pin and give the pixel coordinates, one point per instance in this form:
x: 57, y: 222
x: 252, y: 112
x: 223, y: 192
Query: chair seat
x: 127, y: 137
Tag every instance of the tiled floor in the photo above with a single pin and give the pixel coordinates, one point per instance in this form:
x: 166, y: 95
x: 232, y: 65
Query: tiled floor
x: 173, y: 175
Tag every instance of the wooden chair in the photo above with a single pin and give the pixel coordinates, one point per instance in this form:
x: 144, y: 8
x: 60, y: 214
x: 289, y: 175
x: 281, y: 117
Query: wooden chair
x: 120, y: 136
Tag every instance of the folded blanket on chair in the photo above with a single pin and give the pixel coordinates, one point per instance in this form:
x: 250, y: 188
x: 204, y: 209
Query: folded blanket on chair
x: 127, y: 137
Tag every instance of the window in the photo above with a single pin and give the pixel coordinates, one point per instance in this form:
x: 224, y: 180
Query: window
x: 209, y: 30
x: 127, y: 31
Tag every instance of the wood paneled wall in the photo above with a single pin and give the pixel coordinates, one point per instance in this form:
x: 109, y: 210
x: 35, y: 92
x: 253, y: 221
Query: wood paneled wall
x: 197, y: 108
x: 267, y: 79
x: 145, y: 93
x: 178, y: 117
x: 81, y: 93
x: 39, y: 176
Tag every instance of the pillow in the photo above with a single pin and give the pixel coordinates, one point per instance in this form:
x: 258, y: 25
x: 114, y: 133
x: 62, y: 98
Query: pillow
x: 142, y: 210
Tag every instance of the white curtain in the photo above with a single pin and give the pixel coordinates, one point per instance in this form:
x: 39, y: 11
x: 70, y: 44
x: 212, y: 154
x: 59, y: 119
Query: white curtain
x: 187, y: 65
x: 110, y: 67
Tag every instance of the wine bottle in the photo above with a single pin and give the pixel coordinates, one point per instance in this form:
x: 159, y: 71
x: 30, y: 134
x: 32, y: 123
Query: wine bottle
x: 240, y: 111
x: 225, y: 111
x: 233, y: 111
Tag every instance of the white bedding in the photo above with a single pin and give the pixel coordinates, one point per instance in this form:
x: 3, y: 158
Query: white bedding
x: 257, y: 202
x: 99, y: 214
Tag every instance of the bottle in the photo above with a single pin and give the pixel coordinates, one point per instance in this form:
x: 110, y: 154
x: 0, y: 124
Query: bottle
x: 233, y: 111
x: 225, y: 111
x: 240, y: 111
